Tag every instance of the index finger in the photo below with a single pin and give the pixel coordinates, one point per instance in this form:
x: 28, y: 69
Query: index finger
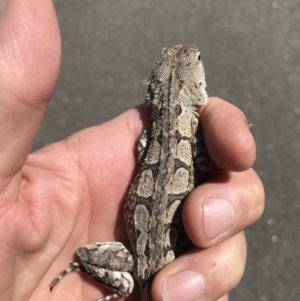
x: 228, y: 139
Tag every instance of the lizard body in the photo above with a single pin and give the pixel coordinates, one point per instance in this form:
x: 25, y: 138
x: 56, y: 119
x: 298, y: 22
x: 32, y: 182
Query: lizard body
x: 172, y: 161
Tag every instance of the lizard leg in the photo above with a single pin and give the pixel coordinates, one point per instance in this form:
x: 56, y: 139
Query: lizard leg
x: 107, y: 263
x: 143, y: 144
x: 202, y: 161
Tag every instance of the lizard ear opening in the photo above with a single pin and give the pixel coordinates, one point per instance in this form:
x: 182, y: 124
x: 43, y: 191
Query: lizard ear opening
x: 199, y: 57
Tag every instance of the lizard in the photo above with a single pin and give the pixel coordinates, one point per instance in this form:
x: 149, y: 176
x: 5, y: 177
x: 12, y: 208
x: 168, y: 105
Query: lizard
x: 172, y: 160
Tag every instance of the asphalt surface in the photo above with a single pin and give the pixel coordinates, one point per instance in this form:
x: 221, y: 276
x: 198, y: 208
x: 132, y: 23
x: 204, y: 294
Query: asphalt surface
x: 251, y: 54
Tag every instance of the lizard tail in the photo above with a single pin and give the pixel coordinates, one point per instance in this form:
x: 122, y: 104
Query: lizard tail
x: 73, y: 267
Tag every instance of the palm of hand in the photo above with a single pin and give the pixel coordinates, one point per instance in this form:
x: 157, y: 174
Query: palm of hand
x: 67, y: 190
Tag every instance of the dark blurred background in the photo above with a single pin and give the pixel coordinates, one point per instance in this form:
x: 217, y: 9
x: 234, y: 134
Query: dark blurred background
x: 251, y: 54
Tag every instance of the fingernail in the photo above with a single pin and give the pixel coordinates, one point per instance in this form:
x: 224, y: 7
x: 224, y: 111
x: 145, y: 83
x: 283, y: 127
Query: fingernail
x: 218, y: 217
x: 2, y: 6
x: 186, y: 285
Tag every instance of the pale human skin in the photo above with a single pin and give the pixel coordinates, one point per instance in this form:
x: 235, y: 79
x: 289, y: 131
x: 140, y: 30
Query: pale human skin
x: 71, y: 193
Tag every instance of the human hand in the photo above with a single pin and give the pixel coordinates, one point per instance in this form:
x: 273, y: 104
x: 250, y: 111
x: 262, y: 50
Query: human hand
x: 71, y: 192
x: 216, y: 212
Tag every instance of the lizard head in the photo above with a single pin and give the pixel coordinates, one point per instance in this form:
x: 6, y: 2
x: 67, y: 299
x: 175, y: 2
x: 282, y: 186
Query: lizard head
x: 179, y: 66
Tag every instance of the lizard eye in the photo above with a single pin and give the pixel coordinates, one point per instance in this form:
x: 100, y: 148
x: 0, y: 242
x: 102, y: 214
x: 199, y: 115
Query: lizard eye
x: 199, y: 57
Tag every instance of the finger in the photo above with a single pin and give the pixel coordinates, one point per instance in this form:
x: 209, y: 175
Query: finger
x: 29, y: 66
x: 224, y: 298
x: 228, y: 139
x: 214, y: 212
x: 202, y: 275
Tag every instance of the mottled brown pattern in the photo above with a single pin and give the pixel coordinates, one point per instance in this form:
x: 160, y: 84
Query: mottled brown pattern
x: 168, y: 153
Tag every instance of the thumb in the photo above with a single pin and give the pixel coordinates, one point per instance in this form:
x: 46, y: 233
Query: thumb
x: 30, y: 52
